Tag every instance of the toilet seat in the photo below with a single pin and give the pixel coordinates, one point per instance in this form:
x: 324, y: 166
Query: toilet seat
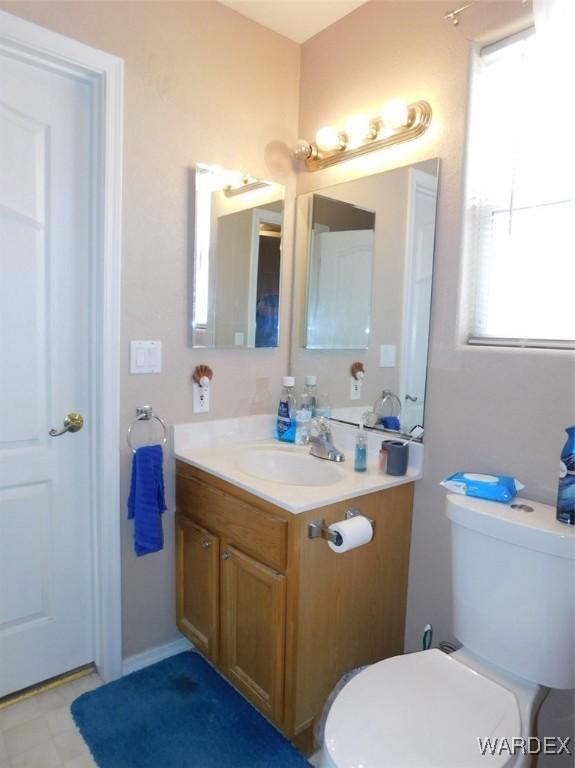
x: 422, y: 710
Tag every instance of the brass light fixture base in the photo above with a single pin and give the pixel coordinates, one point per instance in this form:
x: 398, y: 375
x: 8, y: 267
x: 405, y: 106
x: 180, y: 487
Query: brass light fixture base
x: 418, y: 122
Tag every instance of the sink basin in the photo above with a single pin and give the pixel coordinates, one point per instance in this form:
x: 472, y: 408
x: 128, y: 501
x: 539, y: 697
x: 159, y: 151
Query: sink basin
x: 289, y: 468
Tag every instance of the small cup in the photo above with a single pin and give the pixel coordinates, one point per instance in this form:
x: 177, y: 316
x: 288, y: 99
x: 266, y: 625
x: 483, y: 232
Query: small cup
x: 396, y: 455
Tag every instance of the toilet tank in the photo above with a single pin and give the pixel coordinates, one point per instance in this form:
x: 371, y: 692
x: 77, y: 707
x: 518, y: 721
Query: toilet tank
x: 514, y: 587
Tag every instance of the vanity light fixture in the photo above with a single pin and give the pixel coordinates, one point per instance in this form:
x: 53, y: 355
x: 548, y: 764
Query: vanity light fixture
x: 453, y: 15
x: 397, y: 122
x: 246, y: 184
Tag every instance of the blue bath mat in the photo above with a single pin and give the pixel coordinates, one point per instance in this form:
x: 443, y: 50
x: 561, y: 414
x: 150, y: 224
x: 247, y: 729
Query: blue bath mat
x: 178, y: 713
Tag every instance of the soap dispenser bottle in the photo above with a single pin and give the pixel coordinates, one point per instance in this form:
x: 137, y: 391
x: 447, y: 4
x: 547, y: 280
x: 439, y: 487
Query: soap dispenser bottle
x: 360, y: 462
x: 566, y: 491
x: 286, y: 422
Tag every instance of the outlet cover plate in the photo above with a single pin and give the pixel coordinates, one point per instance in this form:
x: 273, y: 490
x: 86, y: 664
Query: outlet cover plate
x: 201, y: 399
x: 355, y: 389
x: 145, y: 357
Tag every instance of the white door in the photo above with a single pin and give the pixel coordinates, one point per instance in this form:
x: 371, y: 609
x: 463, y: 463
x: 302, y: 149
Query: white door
x: 422, y: 200
x: 340, y: 290
x: 45, y: 373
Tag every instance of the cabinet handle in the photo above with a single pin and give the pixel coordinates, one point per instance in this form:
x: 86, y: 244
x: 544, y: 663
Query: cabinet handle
x: 205, y: 543
x: 225, y: 555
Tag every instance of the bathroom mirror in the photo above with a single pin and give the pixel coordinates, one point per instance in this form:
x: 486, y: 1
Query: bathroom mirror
x: 235, y: 291
x: 362, y: 290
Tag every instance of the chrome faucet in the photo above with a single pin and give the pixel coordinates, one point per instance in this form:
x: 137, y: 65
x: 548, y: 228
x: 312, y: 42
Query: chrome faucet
x: 322, y: 444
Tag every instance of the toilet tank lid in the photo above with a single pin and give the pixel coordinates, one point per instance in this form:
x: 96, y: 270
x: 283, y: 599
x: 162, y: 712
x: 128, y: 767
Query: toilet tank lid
x: 538, y: 529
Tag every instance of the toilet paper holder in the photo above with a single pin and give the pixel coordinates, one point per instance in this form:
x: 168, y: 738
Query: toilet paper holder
x: 319, y: 530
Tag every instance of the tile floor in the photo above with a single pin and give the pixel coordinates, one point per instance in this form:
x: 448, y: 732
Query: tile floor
x: 40, y: 733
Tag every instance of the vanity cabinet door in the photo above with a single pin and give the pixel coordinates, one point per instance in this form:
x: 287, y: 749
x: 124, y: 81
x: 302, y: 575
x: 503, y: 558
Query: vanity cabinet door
x: 197, y: 585
x: 253, y: 606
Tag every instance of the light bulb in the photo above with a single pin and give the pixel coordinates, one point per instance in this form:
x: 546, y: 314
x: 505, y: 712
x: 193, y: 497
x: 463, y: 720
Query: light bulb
x: 358, y: 129
x: 394, y: 115
x: 328, y: 139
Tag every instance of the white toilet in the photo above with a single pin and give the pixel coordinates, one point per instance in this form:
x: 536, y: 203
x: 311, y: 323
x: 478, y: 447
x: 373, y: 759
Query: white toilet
x: 514, y: 613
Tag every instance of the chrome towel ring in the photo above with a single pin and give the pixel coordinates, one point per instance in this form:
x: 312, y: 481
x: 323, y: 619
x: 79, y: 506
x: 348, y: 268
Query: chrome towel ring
x: 146, y: 413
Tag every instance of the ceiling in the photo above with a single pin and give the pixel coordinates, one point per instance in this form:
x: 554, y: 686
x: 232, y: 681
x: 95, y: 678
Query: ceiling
x: 297, y: 19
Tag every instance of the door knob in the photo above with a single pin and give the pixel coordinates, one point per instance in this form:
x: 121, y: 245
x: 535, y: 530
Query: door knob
x: 205, y: 543
x: 72, y: 423
x: 225, y: 555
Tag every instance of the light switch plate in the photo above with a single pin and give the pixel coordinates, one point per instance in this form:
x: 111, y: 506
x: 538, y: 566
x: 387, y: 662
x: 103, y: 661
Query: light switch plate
x: 145, y: 357
x: 387, y: 356
x: 201, y: 399
x: 355, y: 389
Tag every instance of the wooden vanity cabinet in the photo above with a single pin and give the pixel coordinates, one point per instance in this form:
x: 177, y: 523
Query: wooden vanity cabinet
x: 279, y: 614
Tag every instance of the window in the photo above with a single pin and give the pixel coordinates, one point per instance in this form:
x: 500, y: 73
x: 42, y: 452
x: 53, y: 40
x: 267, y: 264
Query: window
x: 520, y: 202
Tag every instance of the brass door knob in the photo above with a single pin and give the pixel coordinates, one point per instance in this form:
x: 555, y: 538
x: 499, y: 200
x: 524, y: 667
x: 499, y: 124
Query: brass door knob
x: 72, y: 423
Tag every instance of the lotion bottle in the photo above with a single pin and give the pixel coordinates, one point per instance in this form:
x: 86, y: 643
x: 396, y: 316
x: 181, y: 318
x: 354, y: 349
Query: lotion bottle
x: 360, y: 462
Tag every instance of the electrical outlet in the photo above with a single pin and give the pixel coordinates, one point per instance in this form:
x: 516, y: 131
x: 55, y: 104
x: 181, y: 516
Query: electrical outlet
x: 201, y: 399
x: 355, y: 389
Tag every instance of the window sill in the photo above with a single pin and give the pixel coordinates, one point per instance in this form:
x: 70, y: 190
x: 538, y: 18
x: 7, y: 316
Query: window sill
x: 492, y: 341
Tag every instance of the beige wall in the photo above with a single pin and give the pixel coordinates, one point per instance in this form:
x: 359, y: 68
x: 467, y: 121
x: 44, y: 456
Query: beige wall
x: 487, y: 409
x: 199, y: 81
x: 198, y: 85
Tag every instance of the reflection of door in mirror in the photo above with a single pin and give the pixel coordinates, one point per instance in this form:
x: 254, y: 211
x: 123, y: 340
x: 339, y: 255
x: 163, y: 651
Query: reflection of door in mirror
x: 422, y: 198
x: 339, y: 280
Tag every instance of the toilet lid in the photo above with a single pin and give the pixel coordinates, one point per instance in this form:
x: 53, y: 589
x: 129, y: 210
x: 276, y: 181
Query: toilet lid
x: 422, y: 710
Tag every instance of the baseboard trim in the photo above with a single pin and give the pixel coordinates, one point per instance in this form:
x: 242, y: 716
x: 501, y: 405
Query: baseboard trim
x: 153, y: 655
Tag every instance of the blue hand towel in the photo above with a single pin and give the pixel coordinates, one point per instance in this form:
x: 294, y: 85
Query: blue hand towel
x: 146, y: 501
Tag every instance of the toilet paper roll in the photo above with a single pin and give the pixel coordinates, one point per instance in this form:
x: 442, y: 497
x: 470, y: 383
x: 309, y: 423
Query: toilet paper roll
x: 354, y: 533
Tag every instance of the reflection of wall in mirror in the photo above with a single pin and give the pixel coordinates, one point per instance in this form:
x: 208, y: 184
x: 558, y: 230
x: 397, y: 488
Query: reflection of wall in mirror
x: 232, y: 273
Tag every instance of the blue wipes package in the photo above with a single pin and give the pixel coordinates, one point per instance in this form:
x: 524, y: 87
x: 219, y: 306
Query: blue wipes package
x: 493, y: 487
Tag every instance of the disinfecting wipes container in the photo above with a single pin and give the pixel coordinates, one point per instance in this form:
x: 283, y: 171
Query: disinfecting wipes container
x: 493, y: 487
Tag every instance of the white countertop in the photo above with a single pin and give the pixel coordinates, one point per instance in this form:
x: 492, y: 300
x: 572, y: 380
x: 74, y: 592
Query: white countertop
x: 216, y: 447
